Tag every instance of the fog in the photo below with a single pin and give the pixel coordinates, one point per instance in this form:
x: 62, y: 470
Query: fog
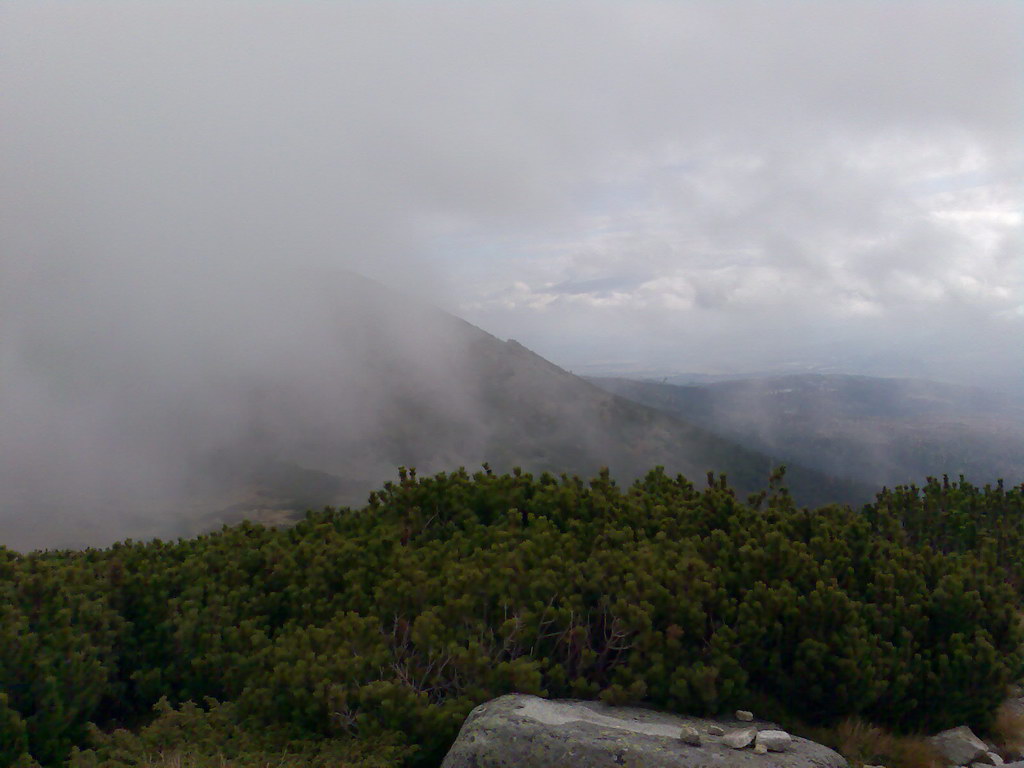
x: 878, y: 431
x: 189, y: 188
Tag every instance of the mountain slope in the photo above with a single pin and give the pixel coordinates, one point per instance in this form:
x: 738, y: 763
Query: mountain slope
x: 449, y: 394
x: 877, y: 431
x: 321, y: 402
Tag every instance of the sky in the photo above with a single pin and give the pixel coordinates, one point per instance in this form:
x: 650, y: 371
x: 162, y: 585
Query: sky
x: 646, y: 189
x: 663, y: 187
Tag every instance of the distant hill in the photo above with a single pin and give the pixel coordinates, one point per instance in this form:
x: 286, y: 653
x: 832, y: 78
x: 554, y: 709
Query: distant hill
x: 377, y: 380
x: 872, y: 430
x: 453, y: 395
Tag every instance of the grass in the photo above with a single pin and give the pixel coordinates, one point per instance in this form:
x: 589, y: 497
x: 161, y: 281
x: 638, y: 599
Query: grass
x: 859, y: 741
x: 1008, y: 729
x: 190, y: 736
x: 178, y: 758
x: 187, y: 760
x: 862, y: 743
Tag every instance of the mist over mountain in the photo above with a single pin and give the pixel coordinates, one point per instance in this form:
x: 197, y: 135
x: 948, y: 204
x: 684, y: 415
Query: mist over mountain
x: 307, y: 392
x: 873, y: 430
x: 728, y: 188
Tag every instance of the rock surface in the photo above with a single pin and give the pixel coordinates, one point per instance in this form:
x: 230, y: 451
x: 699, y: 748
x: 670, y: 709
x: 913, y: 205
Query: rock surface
x: 690, y: 735
x: 773, y: 740
x: 517, y: 731
x: 959, y: 746
x: 1015, y: 704
x: 740, y: 738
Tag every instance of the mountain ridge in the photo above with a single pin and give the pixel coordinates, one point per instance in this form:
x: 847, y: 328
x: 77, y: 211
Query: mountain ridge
x: 355, y: 381
x: 881, y: 431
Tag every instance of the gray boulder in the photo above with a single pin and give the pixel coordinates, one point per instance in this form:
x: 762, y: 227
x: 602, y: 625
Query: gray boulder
x: 519, y: 731
x: 740, y: 738
x: 1015, y: 704
x: 774, y: 740
x: 690, y: 735
x: 959, y: 746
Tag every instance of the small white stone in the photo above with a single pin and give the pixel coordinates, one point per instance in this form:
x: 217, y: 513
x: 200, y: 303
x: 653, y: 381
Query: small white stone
x: 774, y: 741
x: 690, y: 735
x: 716, y: 730
x: 740, y: 738
x: 744, y: 715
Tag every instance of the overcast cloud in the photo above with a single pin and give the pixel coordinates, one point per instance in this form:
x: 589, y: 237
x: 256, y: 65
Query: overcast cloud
x: 688, y: 186
x: 685, y: 186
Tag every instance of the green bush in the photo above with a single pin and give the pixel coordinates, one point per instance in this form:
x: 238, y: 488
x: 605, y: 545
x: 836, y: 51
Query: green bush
x: 389, y: 623
x: 192, y: 737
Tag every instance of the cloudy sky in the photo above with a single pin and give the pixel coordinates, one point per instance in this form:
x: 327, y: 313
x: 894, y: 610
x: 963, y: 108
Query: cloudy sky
x: 659, y: 187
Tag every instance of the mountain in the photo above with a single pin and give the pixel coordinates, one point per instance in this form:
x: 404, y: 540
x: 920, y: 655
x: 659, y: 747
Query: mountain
x: 873, y: 430
x: 319, y: 401
x: 449, y: 394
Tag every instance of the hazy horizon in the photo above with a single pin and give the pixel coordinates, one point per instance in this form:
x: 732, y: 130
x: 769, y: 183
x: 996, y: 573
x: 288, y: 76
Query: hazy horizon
x: 667, y: 187
x: 673, y: 185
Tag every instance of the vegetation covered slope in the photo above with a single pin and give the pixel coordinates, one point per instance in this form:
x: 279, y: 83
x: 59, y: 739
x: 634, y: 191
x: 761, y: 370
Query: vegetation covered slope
x: 873, y: 430
x: 481, y: 399
x: 353, y: 382
x: 367, y: 635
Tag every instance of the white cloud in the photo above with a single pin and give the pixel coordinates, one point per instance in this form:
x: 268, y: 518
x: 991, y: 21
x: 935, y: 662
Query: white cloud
x: 579, y: 176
